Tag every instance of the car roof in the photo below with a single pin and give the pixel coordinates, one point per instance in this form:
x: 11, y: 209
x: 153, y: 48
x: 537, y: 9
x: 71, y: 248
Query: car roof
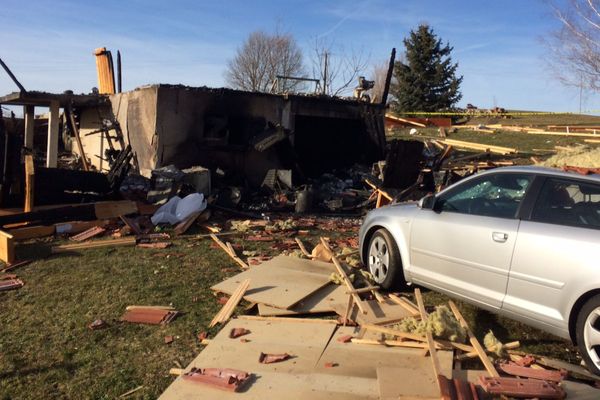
x: 533, y: 169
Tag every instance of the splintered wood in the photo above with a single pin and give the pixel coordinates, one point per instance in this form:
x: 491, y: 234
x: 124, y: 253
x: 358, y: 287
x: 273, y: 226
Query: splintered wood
x: 356, y: 298
x: 474, y: 342
x: 229, y: 250
x: 225, y: 313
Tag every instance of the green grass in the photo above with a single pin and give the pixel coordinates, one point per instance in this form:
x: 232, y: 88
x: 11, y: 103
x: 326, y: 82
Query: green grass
x: 527, y: 145
x: 47, y: 351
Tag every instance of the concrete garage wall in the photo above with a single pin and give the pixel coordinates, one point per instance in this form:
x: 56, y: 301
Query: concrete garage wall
x: 136, y: 113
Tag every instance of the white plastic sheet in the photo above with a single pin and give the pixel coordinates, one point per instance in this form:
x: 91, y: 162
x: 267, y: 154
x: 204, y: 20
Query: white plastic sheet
x: 177, y: 209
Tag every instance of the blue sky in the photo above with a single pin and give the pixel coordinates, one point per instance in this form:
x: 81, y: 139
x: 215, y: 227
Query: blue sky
x: 49, y: 44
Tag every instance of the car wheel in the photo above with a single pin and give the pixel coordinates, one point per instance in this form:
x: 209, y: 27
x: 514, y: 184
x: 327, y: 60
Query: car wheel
x: 383, y: 260
x: 588, y: 333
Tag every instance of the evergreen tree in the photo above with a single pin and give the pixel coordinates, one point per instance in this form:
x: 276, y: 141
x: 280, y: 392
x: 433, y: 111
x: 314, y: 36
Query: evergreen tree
x: 427, y: 80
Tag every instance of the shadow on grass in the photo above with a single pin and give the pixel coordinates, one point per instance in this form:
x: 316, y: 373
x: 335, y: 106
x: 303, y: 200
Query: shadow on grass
x: 67, y: 366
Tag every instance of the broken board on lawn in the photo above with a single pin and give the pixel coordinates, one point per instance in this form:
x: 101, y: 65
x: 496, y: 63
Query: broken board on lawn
x: 281, y: 282
x: 384, y: 313
x: 323, y: 300
x: 399, y: 372
x: 290, y: 379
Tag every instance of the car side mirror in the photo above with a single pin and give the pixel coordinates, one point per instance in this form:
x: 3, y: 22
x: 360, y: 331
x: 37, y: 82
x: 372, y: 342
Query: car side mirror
x: 427, y: 202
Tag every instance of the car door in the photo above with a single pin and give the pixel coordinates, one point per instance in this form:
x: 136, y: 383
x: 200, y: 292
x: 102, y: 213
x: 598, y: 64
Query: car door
x: 464, y: 246
x: 557, y: 252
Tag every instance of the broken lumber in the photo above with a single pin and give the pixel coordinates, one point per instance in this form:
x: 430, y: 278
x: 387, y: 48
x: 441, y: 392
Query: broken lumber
x: 80, y: 212
x: 404, y: 120
x: 480, y: 146
x: 229, y: 252
x: 406, y: 305
x: 184, y: 225
x: 7, y: 247
x: 88, y: 234
x: 430, y: 343
x: 225, y: 313
x: 344, y: 276
x: 63, y: 248
x: 474, y: 342
x: 473, y: 354
x: 303, y: 248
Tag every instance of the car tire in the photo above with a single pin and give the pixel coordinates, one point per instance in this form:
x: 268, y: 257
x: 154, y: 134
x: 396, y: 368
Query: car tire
x: 384, y: 262
x: 587, y: 330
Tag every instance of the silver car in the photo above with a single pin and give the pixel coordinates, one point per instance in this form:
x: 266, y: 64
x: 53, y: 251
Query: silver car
x: 523, y: 242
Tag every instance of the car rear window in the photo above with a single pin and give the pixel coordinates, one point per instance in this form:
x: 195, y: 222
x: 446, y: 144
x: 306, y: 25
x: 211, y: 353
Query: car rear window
x: 570, y: 203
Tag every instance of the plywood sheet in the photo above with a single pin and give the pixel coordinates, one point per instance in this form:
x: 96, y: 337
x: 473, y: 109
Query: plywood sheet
x: 291, y: 379
x: 281, y: 282
x: 321, y: 301
x: 365, y: 361
x: 377, y: 313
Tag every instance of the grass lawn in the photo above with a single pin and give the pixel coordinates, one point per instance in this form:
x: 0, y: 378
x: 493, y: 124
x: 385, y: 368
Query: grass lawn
x: 47, y: 351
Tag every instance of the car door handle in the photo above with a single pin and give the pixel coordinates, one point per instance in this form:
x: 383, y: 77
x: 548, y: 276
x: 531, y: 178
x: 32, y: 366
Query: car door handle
x: 499, y: 237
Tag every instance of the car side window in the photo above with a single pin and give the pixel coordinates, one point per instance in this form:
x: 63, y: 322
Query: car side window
x: 494, y: 195
x: 571, y: 203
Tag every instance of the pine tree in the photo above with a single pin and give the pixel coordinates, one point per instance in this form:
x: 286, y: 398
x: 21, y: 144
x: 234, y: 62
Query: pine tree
x: 427, y: 80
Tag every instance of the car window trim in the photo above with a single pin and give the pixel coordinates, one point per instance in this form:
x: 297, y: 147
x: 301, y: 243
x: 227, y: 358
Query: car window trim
x: 527, y: 206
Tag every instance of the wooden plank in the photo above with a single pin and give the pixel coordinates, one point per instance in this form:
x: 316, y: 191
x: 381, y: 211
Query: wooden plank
x: 437, y: 369
x: 281, y: 282
x: 114, y: 209
x: 31, y: 232
x: 480, y: 146
x: 302, y: 248
x: 184, y: 225
x: 408, y: 307
x: 406, y: 121
x: 474, y: 342
x: 229, y: 251
x: 340, y: 270
x: 29, y: 183
x: 63, y: 248
x: 573, y: 134
x: 473, y: 354
x: 397, y: 333
x: 225, y: 313
x: 7, y: 247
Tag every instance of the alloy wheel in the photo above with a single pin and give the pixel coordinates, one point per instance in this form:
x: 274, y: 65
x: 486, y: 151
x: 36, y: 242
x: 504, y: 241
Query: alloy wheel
x: 379, y: 259
x: 591, y: 336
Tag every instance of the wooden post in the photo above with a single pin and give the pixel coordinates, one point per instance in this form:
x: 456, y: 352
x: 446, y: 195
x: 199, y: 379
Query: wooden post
x: 29, y: 126
x: 29, y: 183
x: 52, y: 149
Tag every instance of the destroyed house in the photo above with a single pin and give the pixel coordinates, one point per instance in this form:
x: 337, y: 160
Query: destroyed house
x: 242, y: 133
